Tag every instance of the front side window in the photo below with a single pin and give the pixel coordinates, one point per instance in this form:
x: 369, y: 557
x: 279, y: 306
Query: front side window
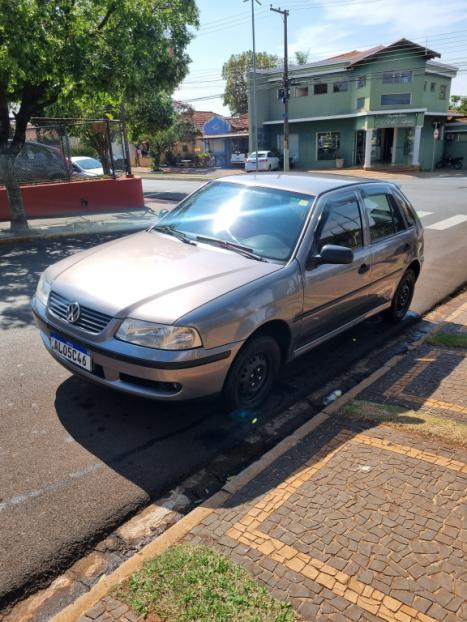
x: 384, y: 217
x: 320, y: 89
x: 395, y: 99
x: 340, y: 87
x: 340, y: 223
x: 265, y: 220
x: 328, y: 145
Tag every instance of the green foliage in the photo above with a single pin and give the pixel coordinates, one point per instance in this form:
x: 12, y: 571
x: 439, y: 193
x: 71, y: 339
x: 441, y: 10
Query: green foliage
x: 235, y: 72
x: 458, y: 103
x: 92, y: 53
x: 189, y: 583
x: 301, y: 57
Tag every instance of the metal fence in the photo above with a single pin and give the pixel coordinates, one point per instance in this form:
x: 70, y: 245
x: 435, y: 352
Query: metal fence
x: 71, y: 149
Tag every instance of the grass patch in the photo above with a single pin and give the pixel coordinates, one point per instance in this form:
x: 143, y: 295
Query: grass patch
x: 407, y: 420
x: 451, y: 340
x: 191, y: 583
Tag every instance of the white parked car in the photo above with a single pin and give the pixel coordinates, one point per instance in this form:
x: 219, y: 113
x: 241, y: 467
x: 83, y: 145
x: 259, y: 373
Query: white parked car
x: 237, y: 158
x: 85, y: 166
x: 267, y: 161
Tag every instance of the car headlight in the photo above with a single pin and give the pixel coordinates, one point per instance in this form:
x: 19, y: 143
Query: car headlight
x: 159, y: 336
x: 43, y: 289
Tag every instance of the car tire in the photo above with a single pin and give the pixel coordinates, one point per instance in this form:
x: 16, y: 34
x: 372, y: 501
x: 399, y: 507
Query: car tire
x: 402, y: 298
x: 252, y: 374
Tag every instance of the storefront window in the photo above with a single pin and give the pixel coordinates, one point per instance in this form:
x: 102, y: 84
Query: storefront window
x: 328, y: 145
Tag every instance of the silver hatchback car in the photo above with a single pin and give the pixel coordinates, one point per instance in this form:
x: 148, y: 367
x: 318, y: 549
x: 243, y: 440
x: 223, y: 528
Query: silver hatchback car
x: 244, y: 275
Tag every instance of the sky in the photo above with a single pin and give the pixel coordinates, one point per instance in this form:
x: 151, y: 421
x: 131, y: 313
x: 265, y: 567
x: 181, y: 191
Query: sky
x: 321, y: 28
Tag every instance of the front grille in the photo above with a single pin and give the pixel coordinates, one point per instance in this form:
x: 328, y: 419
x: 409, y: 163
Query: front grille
x: 89, y: 320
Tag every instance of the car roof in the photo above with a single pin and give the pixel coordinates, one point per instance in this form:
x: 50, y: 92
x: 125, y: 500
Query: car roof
x: 305, y: 183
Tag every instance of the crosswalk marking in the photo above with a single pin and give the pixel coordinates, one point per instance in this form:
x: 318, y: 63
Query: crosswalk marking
x: 421, y: 213
x: 447, y: 222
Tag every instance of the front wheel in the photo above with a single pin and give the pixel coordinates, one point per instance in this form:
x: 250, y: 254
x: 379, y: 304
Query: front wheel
x: 402, y: 298
x: 252, y: 373
x: 458, y: 165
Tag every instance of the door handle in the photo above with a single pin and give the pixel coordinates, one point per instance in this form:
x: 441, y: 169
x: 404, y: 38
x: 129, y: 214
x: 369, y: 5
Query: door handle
x: 363, y: 268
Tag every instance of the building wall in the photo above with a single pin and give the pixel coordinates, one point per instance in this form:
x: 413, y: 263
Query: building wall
x: 307, y: 141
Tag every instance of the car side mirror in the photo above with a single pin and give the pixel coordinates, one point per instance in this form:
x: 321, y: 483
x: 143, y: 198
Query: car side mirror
x: 332, y: 254
x: 163, y: 212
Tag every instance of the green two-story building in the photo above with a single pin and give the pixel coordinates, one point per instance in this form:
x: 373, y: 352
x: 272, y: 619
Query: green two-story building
x: 387, y: 106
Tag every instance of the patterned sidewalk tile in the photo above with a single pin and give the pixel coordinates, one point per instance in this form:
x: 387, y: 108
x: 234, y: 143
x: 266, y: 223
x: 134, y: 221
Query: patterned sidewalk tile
x: 366, y: 529
x: 433, y: 380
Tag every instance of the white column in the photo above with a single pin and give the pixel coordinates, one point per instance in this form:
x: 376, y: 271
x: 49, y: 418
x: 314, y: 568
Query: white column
x: 416, y: 146
x: 368, y: 137
x: 394, y: 147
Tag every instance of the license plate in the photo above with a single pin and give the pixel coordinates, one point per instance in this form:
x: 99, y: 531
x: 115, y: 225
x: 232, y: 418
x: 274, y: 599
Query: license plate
x: 71, y: 351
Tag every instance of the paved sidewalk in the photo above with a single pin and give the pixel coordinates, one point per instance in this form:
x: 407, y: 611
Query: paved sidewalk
x: 358, y: 521
x: 106, y: 222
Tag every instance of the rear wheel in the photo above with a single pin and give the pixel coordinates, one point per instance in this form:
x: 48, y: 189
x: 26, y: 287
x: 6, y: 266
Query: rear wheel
x: 252, y: 373
x: 402, y: 298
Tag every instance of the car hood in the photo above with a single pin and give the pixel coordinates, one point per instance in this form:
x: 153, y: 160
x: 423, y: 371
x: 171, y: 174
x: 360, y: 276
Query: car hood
x: 152, y: 276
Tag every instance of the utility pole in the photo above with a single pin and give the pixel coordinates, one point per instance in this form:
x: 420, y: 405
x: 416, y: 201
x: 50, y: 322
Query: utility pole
x: 254, y: 123
x: 285, y: 87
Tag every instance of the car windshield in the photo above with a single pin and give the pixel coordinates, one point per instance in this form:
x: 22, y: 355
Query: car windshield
x: 88, y: 163
x: 265, y: 220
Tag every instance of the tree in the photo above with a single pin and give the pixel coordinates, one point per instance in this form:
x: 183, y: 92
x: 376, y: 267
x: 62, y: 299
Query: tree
x: 458, y: 103
x: 62, y: 49
x: 235, y: 72
x: 302, y: 57
x: 161, y: 123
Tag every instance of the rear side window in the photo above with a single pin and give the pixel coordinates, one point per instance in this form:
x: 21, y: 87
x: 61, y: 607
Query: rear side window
x: 341, y: 223
x: 384, y: 217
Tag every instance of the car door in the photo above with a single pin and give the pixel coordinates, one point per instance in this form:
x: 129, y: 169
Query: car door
x: 391, y: 241
x: 334, y: 295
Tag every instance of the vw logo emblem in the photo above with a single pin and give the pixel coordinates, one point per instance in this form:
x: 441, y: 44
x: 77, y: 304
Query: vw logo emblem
x: 72, y: 312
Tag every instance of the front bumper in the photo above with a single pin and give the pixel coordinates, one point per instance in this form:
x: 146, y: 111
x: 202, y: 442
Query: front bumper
x: 155, y: 374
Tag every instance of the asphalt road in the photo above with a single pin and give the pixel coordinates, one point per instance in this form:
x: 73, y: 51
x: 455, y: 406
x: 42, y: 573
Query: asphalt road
x: 77, y: 459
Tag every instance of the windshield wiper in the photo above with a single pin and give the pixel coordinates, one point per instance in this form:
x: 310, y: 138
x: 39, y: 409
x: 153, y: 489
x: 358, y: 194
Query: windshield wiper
x: 232, y: 246
x: 169, y: 230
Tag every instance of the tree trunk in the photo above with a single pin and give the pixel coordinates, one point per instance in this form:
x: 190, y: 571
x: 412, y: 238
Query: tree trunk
x: 18, y: 220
